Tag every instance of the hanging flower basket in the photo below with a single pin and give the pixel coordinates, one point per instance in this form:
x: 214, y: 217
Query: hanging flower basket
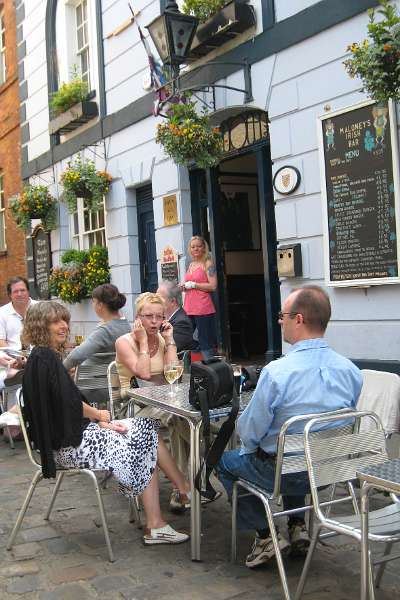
x: 188, y: 137
x: 34, y: 202
x: 82, y: 180
x: 79, y: 273
x: 376, y: 61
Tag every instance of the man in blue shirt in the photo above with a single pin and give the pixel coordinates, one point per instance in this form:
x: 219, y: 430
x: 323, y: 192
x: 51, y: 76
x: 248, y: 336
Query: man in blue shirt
x: 311, y: 378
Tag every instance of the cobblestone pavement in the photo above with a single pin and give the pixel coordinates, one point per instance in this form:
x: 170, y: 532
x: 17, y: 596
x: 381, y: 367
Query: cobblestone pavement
x: 66, y: 559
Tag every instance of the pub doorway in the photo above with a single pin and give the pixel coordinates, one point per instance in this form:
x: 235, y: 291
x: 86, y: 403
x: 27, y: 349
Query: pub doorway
x: 229, y: 210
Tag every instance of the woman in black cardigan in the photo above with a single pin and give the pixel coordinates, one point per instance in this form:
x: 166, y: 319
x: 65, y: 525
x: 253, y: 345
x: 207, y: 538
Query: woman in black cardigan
x: 68, y: 432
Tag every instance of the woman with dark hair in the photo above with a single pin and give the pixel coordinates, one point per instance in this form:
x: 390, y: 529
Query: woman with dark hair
x: 107, y: 302
x: 57, y: 418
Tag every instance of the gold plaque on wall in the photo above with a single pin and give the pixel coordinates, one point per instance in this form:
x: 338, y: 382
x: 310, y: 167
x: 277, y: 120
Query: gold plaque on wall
x: 170, y: 210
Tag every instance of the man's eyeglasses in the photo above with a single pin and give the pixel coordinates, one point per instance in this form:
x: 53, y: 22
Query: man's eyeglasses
x: 153, y: 317
x: 282, y: 314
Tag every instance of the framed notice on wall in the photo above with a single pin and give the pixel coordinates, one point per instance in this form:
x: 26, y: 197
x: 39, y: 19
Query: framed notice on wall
x: 360, y: 190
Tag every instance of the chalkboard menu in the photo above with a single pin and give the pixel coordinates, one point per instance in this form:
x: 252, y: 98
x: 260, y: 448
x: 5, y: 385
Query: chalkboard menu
x: 41, y: 262
x: 358, y: 150
x: 169, y: 271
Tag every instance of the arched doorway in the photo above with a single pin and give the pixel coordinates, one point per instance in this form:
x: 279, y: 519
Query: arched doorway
x: 233, y: 208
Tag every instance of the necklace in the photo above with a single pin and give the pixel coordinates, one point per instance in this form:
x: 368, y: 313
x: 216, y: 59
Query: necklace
x: 153, y: 347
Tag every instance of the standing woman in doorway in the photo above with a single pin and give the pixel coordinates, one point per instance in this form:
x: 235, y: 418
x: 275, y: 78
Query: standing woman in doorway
x: 200, y: 282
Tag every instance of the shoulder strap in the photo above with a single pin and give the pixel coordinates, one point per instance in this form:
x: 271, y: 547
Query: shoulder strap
x: 213, y: 454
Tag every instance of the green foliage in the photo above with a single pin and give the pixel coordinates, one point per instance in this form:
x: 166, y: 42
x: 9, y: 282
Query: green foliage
x: 202, y: 9
x: 79, y: 273
x: 82, y: 180
x: 69, y: 94
x: 376, y: 61
x: 34, y: 202
x: 187, y: 136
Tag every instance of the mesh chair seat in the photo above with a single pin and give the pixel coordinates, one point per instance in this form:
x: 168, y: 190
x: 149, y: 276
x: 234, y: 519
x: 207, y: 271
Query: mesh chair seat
x: 383, y: 521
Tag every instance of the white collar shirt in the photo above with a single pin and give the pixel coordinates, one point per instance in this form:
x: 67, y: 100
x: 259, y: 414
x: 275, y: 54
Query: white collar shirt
x: 11, y: 323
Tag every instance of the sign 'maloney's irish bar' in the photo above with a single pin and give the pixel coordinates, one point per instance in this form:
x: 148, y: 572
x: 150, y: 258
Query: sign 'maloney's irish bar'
x: 360, y: 173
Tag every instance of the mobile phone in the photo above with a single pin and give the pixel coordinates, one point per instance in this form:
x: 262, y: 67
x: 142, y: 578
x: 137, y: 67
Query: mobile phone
x: 162, y: 327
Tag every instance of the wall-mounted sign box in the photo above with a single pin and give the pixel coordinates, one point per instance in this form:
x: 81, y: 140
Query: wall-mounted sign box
x: 169, y: 264
x: 360, y: 189
x: 170, y: 210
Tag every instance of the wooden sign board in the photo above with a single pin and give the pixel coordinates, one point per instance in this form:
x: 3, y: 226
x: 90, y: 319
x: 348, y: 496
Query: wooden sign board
x: 360, y: 189
x: 170, y: 210
x: 41, y: 262
x: 169, y: 264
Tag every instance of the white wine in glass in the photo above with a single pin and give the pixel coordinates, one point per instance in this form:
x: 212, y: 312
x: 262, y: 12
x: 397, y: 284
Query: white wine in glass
x: 172, y: 372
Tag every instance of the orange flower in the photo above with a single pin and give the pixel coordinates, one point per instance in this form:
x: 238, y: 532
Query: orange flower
x: 387, y: 47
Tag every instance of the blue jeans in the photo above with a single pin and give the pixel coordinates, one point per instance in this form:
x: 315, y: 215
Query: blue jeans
x: 251, y: 512
x: 206, y: 329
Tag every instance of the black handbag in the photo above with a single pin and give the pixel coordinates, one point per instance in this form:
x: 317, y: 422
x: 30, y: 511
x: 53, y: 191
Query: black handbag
x: 251, y: 375
x: 212, y: 386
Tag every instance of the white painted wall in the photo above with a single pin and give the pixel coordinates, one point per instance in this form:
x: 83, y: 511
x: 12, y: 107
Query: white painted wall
x: 295, y: 86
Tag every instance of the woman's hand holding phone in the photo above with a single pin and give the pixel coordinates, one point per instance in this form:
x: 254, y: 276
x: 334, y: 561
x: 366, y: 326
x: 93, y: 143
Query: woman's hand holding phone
x: 166, y: 330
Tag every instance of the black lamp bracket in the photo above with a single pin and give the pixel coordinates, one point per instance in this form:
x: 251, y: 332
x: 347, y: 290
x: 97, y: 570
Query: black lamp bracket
x: 247, y: 91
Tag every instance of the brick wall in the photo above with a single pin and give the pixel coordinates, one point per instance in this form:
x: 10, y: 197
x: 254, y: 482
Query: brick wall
x: 12, y: 262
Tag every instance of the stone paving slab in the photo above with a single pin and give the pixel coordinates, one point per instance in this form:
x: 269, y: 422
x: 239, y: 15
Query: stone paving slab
x: 66, y: 558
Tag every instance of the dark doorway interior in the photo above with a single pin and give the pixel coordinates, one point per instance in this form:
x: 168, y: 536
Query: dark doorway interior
x: 147, y: 241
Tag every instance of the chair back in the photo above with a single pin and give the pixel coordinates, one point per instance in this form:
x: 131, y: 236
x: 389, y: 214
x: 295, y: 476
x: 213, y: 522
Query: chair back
x: 186, y: 357
x: 290, y: 457
x: 114, y: 388
x: 337, y: 458
x: 94, y: 376
x: 32, y: 454
x: 380, y: 394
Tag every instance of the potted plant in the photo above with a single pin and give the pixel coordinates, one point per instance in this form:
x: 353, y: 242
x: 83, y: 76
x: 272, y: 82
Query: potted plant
x: 34, y: 202
x: 79, y: 273
x: 188, y: 137
x: 220, y: 21
x: 70, y: 105
x: 81, y: 179
x: 376, y: 61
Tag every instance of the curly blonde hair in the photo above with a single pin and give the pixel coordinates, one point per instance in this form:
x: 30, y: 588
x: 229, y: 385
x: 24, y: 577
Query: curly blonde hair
x: 148, y: 298
x: 206, y: 253
x: 37, y: 321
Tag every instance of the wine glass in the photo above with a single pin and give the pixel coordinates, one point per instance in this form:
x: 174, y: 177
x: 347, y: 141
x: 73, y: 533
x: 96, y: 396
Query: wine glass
x: 173, y: 371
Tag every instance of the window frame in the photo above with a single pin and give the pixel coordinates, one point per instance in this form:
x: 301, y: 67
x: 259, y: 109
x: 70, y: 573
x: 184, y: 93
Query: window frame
x: 3, y: 63
x: 81, y: 239
x: 2, y: 215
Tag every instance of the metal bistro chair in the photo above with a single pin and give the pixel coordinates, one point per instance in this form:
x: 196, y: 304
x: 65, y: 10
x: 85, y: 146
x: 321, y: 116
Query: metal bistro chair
x: 38, y: 476
x: 337, y: 459
x: 94, y: 376
x: 289, y: 459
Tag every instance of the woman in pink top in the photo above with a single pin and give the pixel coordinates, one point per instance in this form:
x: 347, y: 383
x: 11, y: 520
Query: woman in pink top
x: 200, y: 282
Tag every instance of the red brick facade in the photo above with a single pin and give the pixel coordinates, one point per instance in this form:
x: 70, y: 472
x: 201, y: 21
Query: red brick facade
x: 12, y: 262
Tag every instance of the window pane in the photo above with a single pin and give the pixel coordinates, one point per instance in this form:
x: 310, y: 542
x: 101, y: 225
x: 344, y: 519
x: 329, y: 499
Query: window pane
x: 80, y: 38
x: 86, y: 221
x: 84, y: 6
x: 101, y: 218
x: 76, y: 224
x: 84, y: 61
x: 79, y: 15
x: 2, y: 232
x: 85, y: 34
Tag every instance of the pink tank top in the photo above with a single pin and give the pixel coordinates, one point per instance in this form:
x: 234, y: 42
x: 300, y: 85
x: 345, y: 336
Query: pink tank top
x: 198, y: 302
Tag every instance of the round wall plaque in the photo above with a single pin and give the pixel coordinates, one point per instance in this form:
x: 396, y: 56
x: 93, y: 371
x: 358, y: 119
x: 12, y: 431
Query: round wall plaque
x: 287, y: 180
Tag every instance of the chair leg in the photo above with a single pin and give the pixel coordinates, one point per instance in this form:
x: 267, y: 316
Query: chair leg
x: 234, y: 523
x: 353, y: 498
x: 102, y: 512
x: 135, y: 511
x: 382, y: 566
x: 36, y: 478
x: 278, y: 554
x: 54, y: 494
x: 307, y: 563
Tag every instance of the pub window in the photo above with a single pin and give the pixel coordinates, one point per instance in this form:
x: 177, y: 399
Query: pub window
x: 88, y: 228
x: 82, y: 40
x: 3, y: 245
x: 2, y: 48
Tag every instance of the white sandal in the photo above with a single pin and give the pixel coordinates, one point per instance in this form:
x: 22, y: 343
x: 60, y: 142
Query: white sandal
x: 164, y: 535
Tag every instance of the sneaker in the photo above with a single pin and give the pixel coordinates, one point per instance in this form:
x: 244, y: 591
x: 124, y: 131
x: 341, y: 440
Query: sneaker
x: 299, y: 540
x: 164, y: 535
x: 263, y: 550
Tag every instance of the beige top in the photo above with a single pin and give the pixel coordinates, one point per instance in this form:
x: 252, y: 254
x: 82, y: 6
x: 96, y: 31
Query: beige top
x: 156, y: 363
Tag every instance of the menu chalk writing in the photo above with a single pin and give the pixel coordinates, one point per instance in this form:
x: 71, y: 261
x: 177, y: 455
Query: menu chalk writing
x: 169, y: 271
x: 360, y: 195
x: 42, y: 262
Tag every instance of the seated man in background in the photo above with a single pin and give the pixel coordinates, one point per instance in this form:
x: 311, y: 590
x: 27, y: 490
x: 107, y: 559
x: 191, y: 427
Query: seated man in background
x: 311, y: 378
x: 12, y: 315
x: 183, y: 330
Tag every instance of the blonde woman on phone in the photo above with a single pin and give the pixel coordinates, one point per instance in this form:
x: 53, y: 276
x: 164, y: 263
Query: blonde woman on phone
x: 142, y: 354
x: 200, y: 281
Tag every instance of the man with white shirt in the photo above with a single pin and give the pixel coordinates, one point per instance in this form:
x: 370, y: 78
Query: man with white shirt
x: 12, y: 315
